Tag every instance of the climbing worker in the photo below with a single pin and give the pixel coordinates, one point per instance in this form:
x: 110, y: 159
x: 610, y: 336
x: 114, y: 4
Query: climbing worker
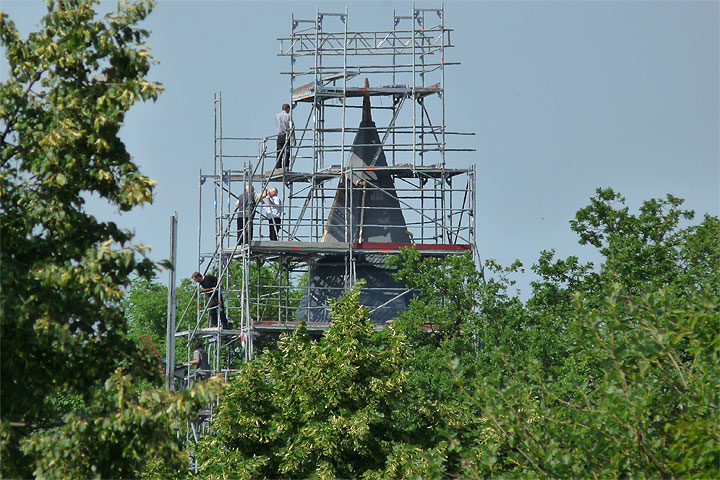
x: 209, y: 284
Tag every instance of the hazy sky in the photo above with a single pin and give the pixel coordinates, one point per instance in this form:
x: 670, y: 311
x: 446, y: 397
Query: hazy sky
x: 564, y: 97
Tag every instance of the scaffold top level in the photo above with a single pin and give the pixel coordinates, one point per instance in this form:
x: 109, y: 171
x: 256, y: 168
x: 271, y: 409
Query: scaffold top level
x: 400, y: 42
x: 423, y: 32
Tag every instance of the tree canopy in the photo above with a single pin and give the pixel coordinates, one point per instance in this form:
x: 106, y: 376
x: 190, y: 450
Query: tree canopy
x: 69, y: 370
x: 606, y: 371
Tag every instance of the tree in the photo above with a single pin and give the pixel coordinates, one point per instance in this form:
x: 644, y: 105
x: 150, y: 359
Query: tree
x: 647, y: 251
x: 635, y: 392
x: 604, y: 372
x: 609, y: 372
x: 646, y: 406
x: 122, y: 433
x: 63, y: 332
x: 444, y: 323
x: 145, y: 308
x: 322, y: 409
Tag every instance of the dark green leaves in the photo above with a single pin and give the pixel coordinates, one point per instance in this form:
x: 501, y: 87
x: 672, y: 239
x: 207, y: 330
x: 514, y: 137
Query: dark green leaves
x: 63, y: 332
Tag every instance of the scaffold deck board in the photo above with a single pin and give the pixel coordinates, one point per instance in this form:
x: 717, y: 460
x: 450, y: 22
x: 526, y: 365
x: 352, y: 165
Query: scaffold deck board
x: 310, y: 248
x: 266, y: 326
x: 209, y: 331
x: 293, y: 248
x: 307, y: 94
x: 257, y: 326
x: 406, y: 170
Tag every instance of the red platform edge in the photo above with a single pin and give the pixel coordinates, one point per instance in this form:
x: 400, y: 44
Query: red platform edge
x: 419, y: 246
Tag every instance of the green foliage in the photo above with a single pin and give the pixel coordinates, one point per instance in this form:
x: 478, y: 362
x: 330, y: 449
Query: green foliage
x: 68, y: 410
x: 647, y: 407
x: 444, y: 322
x: 62, y: 269
x: 647, y: 251
x: 632, y: 389
x: 314, y: 409
x: 447, y: 291
x: 121, y: 430
x: 145, y: 306
x: 607, y: 372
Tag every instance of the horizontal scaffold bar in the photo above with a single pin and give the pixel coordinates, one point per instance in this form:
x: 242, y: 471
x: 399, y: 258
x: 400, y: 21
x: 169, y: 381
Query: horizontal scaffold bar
x: 418, y: 68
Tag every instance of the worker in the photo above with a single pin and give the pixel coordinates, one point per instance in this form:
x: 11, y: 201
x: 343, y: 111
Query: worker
x: 273, y: 212
x: 245, y: 207
x: 200, y: 360
x: 209, y: 284
x: 285, y: 136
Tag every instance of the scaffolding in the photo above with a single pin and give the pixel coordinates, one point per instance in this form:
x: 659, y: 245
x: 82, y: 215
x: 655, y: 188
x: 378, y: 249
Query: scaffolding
x: 265, y: 289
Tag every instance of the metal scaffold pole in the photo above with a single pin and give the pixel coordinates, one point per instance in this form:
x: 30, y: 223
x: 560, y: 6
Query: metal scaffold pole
x: 170, y: 333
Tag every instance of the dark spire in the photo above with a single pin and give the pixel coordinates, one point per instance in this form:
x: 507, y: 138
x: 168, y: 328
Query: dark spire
x: 373, y: 215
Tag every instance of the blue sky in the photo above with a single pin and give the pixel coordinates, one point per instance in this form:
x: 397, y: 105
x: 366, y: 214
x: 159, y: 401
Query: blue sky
x: 563, y: 97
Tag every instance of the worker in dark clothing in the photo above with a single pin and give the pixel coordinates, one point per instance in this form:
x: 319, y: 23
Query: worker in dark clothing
x: 210, y: 285
x: 201, y: 362
x: 285, y: 137
x: 245, y: 207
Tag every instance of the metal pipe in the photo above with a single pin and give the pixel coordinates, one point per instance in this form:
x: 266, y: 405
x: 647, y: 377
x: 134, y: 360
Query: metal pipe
x: 170, y: 331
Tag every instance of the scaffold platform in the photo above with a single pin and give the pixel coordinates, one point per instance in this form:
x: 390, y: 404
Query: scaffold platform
x: 299, y: 249
x: 406, y: 170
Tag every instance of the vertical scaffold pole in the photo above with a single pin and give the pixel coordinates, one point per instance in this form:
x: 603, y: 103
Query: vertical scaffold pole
x: 442, y: 79
x: 201, y: 180
x: 220, y: 242
x: 316, y: 119
x: 344, y: 97
x: 170, y: 334
x: 473, y: 207
x: 414, y: 97
x: 218, y: 152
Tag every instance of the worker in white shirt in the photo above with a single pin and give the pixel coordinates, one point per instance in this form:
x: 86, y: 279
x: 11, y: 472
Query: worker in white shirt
x: 273, y: 211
